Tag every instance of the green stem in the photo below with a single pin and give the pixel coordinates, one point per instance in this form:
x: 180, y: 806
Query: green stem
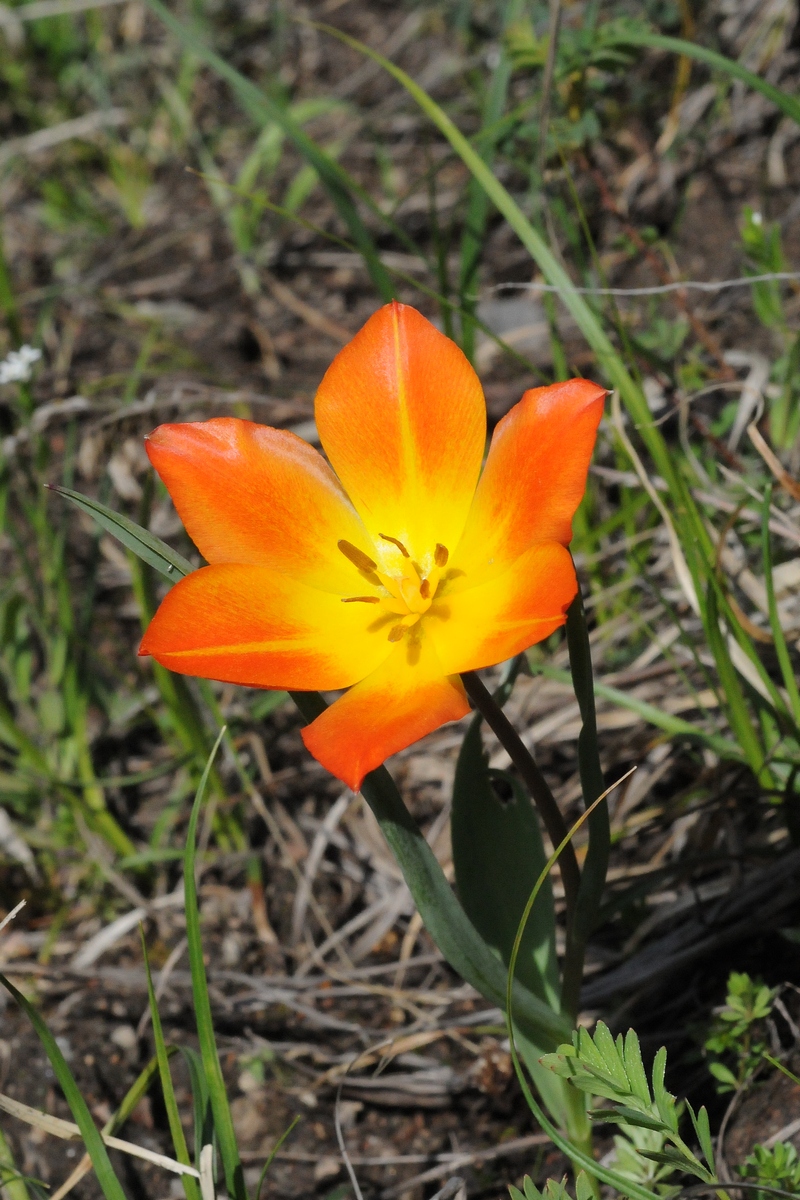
x: 593, y: 877
x: 535, y: 782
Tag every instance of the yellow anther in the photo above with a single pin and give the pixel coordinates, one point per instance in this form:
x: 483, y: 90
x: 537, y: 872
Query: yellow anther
x: 395, y: 542
x: 357, y: 557
x: 425, y: 590
x: 396, y: 633
x: 441, y: 555
x: 361, y: 599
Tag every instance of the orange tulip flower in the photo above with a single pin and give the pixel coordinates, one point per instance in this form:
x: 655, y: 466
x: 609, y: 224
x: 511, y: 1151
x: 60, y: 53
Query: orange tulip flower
x: 394, y: 575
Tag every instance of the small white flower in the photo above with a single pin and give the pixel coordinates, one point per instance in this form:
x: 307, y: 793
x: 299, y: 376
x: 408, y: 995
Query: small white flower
x: 757, y: 218
x: 16, y: 367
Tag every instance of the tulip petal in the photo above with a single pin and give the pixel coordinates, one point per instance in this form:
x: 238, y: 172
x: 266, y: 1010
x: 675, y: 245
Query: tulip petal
x: 487, y: 624
x: 251, y: 625
x: 534, y: 478
x: 248, y: 493
x: 402, y: 418
x: 406, y: 697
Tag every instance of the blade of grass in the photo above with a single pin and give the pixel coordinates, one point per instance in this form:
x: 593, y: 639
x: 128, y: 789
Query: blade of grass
x: 106, y: 1175
x: 271, y: 1158
x: 674, y: 726
x: 781, y: 649
x: 190, y: 1186
x: 735, y: 704
x: 131, y: 1098
x: 223, y: 1122
x: 203, y: 1118
x: 786, y: 103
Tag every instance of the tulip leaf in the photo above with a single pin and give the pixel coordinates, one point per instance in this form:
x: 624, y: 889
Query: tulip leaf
x: 143, y: 543
x: 498, y: 856
x: 445, y: 919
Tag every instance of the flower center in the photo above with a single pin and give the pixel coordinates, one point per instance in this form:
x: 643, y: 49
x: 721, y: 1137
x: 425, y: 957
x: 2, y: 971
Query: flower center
x: 404, y: 588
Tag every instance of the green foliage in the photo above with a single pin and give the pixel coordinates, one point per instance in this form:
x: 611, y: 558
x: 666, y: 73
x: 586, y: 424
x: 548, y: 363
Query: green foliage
x: 761, y: 242
x: 736, y: 1040
x: 613, y: 1069
x: 554, y: 1189
x: 661, y: 339
x: 777, y: 1166
x: 635, y: 1158
x: 607, y: 46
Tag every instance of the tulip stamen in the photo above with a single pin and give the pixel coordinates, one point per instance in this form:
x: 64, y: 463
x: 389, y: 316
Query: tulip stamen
x: 361, y: 599
x: 409, y: 621
x: 425, y: 589
x: 441, y: 555
x: 395, y: 542
x: 357, y: 557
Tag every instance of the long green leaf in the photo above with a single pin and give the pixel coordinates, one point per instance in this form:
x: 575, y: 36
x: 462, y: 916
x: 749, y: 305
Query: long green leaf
x: 782, y: 100
x: 445, y: 919
x: 203, y: 1117
x: 134, y: 1094
x: 778, y: 636
x: 263, y: 108
x: 674, y: 726
x: 143, y: 543
x: 223, y: 1123
x: 190, y: 1185
x: 129, y: 1101
x: 497, y: 855
x: 737, y: 711
x: 271, y: 1158
x: 95, y: 1146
